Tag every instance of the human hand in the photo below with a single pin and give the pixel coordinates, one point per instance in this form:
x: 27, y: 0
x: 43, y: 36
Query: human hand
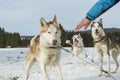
x: 84, y: 23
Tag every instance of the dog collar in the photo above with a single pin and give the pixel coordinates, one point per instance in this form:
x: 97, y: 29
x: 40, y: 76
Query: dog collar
x: 99, y: 40
x: 54, y: 47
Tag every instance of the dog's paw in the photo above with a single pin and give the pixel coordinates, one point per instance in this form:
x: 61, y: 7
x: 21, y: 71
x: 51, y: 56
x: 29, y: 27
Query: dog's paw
x: 67, y: 41
x: 81, y: 64
x: 107, y: 75
x: 100, y: 74
x: 68, y: 63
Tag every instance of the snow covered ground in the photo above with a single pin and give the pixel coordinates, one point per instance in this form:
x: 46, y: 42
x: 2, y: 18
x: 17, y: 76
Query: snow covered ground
x: 12, y: 66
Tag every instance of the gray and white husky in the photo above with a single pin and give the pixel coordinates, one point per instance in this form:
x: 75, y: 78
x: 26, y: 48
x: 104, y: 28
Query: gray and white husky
x: 104, y: 45
x: 77, y: 47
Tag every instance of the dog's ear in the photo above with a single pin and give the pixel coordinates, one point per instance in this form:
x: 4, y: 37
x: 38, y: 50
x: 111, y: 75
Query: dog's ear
x: 72, y: 37
x: 100, y: 21
x: 79, y: 35
x: 42, y: 22
x: 61, y: 28
x: 91, y: 24
x: 55, y: 20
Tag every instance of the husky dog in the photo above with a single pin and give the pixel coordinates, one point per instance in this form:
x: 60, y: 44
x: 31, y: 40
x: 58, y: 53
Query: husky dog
x: 44, y: 49
x: 77, y: 47
x: 104, y: 44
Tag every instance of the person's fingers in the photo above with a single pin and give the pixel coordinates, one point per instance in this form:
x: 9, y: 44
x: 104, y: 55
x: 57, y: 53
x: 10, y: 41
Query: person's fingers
x: 79, y: 26
x: 85, y: 27
x: 84, y: 23
x: 87, y: 24
x: 75, y: 28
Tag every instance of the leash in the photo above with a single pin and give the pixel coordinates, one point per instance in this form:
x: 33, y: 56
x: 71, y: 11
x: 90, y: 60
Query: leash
x: 92, y: 63
x: 65, y: 50
x: 86, y: 60
x: 98, y: 67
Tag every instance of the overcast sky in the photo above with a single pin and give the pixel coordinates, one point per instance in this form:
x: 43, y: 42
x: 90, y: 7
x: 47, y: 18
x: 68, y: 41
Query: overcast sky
x: 23, y: 16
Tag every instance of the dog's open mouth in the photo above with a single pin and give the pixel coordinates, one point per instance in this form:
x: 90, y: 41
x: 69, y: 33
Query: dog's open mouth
x: 76, y: 43
x: 97, y: 33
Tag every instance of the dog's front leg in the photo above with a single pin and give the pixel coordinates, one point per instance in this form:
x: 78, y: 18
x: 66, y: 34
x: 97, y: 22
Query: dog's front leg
x: 44, y: 71
x: 101, y: 64
x: 29, y: 62
x: 70, y: 57
x: 58, y: 70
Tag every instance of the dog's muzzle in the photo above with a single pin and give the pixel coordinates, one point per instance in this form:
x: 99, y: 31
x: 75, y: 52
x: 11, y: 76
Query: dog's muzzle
x: 96, y: 31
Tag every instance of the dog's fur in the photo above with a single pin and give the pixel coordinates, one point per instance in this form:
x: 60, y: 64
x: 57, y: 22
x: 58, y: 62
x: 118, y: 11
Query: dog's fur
x: 104, y: 44
x: 41, y: 49
x: 77, y: 47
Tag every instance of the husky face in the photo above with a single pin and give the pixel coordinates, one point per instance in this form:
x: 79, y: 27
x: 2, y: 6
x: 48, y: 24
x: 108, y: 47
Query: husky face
x: 77, y: 39
x: 97, y: 29
x: 50, y: 32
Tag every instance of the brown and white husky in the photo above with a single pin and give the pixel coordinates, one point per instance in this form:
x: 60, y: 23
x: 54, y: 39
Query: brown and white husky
x: 104, y: 45
x: 44, y: 49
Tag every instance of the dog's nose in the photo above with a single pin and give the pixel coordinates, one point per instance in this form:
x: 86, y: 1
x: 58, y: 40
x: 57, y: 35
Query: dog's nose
x: 54, y: 42
x: 96, y: 30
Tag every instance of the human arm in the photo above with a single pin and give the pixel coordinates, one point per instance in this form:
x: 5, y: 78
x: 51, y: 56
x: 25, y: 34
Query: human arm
x: 98, y: 9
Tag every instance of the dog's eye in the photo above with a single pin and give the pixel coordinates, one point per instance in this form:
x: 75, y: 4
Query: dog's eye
x: 49, y: 32
x: 56, y: 32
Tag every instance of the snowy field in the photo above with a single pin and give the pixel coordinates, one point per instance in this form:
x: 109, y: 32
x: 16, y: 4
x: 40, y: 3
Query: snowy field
x: 12, y: 66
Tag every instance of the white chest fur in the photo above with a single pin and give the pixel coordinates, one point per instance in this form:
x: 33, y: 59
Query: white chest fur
x: 77, y: 50
x: 49, y: 56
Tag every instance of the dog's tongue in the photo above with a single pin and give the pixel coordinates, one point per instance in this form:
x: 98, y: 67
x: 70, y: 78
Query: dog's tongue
x: 96, y: 33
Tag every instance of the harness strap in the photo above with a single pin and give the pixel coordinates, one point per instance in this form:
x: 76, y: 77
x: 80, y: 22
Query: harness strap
x: 99, y: 40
